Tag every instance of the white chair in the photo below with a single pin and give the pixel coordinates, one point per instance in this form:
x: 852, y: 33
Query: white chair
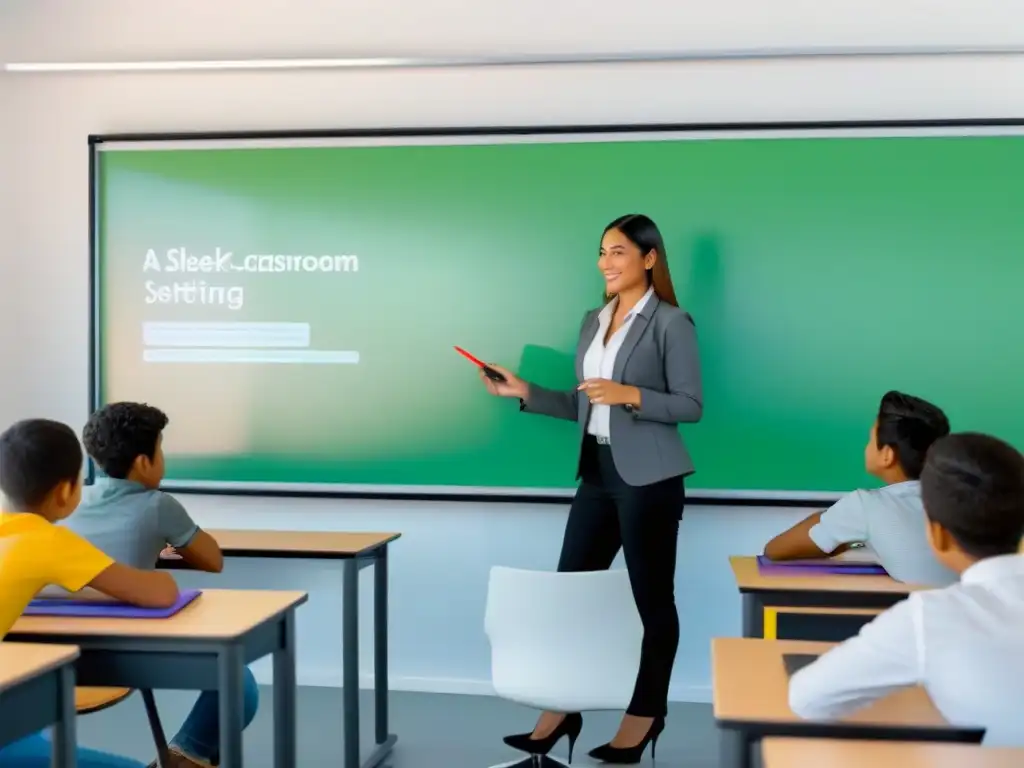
x: 564, y: 642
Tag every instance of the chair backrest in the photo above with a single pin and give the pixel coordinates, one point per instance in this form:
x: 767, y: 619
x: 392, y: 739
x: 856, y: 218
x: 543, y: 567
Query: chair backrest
x: 563, y: 641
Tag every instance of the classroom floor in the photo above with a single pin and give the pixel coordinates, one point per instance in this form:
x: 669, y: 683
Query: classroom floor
x: 434, y: 730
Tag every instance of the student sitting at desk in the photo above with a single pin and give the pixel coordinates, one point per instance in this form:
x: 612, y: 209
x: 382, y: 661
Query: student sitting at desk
x: 130, y: 519
x: 964, y: 643
x: 41, y: 480
x: 890, y: 521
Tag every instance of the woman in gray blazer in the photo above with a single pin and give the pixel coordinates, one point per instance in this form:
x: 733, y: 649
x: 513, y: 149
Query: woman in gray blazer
x: 639, y: 376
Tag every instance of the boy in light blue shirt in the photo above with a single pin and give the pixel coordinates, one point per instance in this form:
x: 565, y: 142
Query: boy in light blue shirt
x: 890, y: 521
x: 127, y: 516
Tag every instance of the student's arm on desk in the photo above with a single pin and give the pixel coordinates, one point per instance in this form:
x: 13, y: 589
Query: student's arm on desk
x: 196, y: 547
x: 203, y: 553
x: 146, y: 589
x: 882, y: 658
x: 74, y: 564
x: 823, y: 534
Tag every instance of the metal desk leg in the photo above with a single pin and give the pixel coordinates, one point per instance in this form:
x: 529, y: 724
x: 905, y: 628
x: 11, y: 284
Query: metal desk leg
x: 384, y: 741
x: 753, y: 615
x: 735, y: 749
x: 285, y: 740
x: 380, y: 644
x: 350, y: 662
x: 163, y: 759
x: 231, y: 692
x: 64, y: 745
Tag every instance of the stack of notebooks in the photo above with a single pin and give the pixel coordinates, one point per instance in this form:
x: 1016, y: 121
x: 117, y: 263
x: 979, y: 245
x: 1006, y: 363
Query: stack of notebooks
x: 854, y: 562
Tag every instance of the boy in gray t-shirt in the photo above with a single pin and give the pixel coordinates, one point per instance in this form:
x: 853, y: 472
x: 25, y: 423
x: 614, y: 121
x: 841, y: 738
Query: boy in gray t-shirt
x: 133, y: 524
x: 890, y: 521
x: 127, y: 516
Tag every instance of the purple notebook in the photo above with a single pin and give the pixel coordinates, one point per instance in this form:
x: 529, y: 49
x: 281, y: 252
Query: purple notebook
x: 822, y: 568
x: 105, y: 610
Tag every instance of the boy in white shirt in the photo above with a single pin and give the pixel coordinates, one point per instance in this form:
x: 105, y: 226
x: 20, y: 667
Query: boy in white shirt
x: 964, y: 643
x: 890, y: 520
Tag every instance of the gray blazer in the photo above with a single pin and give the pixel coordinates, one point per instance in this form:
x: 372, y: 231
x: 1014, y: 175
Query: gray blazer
x: 659, y: 356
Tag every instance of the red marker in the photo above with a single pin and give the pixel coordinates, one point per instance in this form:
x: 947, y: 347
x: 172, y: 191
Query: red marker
x: 474, y: 360
x: 489, y: 372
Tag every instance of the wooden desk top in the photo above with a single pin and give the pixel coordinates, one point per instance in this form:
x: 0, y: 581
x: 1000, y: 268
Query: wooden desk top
x: 750, y: 684
x: 843, y: 753
x: 217, y: 614
x: 23, y: 661
x: 749, y: 579
x: 318, y: 544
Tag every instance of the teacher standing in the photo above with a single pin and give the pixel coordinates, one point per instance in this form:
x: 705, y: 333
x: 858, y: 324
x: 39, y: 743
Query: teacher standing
x: 639, y: 375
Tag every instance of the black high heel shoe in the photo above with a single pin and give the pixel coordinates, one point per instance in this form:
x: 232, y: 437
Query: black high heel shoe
x: 606, y: 753
x: 570, y: 726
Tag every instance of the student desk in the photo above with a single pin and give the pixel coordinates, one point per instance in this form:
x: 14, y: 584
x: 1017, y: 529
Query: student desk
x: 37, y: 689
x: 204, y: 647
x: 355, y: 551
x: 794, y: 606
x: 750, y: 690
x: 828, y: 753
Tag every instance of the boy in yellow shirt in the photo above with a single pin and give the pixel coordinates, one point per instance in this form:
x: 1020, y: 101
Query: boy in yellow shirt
x: 40, y: 484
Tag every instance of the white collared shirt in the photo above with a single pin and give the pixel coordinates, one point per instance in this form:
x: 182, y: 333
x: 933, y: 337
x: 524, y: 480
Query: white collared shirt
x: 964, y: 644
x: 599, y: 359
x: 891, y: 523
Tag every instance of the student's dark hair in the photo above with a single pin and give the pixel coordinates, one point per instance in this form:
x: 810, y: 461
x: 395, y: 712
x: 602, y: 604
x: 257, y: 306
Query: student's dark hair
x: 37, y: 455
x: 117, y: 434
x: 973, y: 486
x: 642, y: 232
x: 909, y: 425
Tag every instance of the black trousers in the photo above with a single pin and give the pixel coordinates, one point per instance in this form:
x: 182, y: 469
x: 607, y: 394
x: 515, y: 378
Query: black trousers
x: 608, y: 514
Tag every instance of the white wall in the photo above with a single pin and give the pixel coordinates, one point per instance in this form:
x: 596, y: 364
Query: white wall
x: 10, y: 394
x: 440, y: 566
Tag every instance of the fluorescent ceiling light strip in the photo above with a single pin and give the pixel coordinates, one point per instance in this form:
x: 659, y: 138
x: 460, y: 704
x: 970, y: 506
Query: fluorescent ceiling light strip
x: 514, y: 61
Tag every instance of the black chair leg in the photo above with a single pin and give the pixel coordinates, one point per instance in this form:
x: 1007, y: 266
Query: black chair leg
x: 159, y: 740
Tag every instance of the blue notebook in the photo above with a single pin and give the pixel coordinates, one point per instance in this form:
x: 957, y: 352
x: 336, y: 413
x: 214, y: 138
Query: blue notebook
x: 102, y: 609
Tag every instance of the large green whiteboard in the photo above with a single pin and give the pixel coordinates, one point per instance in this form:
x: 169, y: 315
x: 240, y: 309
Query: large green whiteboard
x: 822, y: 268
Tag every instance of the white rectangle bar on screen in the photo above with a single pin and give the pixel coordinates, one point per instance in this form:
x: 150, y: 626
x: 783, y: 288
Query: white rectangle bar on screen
x: 252, y: 356
x: 225, y: 334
